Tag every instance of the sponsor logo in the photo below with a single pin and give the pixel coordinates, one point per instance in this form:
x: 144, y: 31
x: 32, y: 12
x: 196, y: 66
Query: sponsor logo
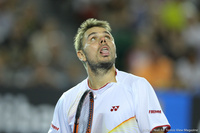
x: 54, y: 127
x: 114, y: 108
x: 154, y: 111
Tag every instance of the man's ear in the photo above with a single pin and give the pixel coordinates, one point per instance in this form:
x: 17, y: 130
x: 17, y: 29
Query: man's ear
x: 81, y: 55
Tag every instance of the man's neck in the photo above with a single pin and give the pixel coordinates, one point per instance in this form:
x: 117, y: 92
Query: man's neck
x: 101, y: 78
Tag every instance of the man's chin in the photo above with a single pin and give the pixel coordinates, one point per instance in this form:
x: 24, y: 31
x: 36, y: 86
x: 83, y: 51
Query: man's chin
x: 106, y: 59
x: 105, y: 65
x: 101, y: 66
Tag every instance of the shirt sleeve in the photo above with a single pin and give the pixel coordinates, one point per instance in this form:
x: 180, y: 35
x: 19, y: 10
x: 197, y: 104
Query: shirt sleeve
x: 148, y: 110
x: 59, y: 123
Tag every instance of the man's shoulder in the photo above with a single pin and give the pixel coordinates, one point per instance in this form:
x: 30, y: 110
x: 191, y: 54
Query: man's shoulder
x: 127, y: 77
x: 75, y: 89
x: 136, y: 83
x: 69, y: 97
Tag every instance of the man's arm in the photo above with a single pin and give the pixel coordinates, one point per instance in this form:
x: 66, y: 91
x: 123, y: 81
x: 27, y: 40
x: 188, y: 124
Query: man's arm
x: 148, y: 110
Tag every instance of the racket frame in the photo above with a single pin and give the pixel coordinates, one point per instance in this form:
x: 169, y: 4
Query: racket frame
x: 78, y: 111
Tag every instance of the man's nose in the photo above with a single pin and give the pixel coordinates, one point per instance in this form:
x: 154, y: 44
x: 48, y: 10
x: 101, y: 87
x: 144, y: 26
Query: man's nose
x: 102, y: 40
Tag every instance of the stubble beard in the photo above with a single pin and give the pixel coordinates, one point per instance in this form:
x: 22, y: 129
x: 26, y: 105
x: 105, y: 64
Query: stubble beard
x: 100, y: 67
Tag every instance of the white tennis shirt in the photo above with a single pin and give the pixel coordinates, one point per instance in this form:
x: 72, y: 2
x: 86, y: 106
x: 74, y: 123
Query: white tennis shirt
x: 128, y: 106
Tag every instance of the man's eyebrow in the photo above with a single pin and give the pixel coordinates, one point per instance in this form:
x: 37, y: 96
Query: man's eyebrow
x: 91, y: 34
x: 96, y: 33
x: 107, y: 32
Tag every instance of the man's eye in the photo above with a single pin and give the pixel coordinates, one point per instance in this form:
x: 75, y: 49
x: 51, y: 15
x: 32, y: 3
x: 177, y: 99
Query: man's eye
x: 107, y: 37
x: 93, y: 39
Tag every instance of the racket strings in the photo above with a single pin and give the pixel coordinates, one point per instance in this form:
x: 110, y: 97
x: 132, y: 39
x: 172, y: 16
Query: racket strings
x: 84, y: 115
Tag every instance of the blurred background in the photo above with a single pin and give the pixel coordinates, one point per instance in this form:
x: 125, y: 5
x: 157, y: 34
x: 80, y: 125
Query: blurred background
x: 155, y: 39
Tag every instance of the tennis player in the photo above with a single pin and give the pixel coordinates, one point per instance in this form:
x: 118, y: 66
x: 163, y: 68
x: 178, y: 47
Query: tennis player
x: 123, y: 103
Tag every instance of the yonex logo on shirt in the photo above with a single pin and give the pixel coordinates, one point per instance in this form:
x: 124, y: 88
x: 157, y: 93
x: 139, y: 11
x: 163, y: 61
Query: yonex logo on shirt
x: 114, y: 108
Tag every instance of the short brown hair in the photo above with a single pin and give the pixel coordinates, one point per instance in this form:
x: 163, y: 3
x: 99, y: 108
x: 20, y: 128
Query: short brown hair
x: 89, y: 23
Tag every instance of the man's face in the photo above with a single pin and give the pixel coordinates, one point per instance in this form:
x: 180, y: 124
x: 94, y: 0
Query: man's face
x: 99, y: 48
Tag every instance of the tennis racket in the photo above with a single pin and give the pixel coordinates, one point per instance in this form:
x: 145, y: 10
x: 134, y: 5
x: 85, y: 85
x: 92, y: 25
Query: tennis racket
x: 84, y: 113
